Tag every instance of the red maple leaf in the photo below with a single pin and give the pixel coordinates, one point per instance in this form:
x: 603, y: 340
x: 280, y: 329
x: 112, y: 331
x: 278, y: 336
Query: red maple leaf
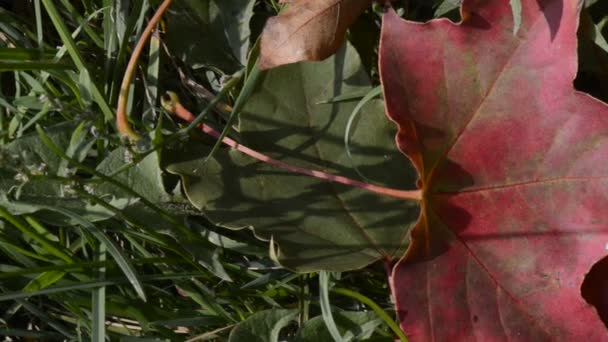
x: 513, y: 163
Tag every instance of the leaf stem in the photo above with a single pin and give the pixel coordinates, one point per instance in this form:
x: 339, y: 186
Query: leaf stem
x: 173, y: 106
x: 122, y: 122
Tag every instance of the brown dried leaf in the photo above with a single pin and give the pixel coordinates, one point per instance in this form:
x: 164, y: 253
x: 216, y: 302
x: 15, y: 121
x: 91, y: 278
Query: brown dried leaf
x: 308, y: 30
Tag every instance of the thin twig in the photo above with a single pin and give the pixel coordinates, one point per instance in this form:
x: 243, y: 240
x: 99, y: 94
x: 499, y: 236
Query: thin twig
x: 122, y: 122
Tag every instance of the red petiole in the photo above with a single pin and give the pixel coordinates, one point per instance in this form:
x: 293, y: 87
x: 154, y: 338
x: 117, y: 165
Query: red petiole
x: 176, y: 108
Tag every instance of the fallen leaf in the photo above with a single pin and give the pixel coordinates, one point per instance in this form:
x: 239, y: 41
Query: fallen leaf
x: 513, y: 163
x: 308, y: 30
x: 317, y: 225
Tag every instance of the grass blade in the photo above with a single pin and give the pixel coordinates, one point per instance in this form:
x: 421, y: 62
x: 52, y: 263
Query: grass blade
x: 33, y: 65
x: 76, y: 56
x: 250, y: 84
x: 24, y: 54
x: 44, y: 280
x: 39, y: 31
x: 347, y: 133
x: 51, y: 246
x: 121, y: 260
x: 324, y: 278
x: 99, y: 300
x: 94, y: 284
x: 377, y: 309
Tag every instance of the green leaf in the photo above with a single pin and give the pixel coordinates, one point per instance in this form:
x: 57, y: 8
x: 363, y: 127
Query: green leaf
x: 44, y: 280
x: 20, y: 194
x: 226, y: 242
x: 78, y: 148
x: 31, y: 151
x: 352, y: 325
x: 193, y: 37
x: 446, y: 7
x: 234, y: 16
x: 317, y: 225
x: 145, y: 177
x: 263, y: 326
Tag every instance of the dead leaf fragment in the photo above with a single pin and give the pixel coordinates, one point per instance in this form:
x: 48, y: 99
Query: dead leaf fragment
x: 308, y: 30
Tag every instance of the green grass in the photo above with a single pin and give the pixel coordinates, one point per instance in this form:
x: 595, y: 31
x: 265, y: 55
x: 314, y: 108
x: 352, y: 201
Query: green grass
x: 97, y: 241
x: 149, y: 265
